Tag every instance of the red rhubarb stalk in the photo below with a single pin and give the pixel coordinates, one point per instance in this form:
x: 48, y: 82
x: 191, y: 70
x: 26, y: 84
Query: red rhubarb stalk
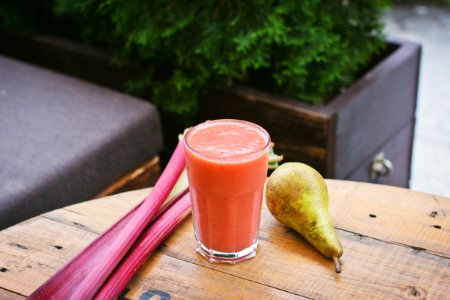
x: 144, y: 246
x: 181, y: 187
x: 83, y: 275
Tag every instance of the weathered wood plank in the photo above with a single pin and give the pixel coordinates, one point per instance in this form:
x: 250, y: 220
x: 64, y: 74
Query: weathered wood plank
x: 32, y: 251
x: 23, y: 275
x: 45, y: 241
x: 7, y: 295
x: 144, y: 176
x: 392, y: 214
x: 98, y: 215
x: 184, y: 280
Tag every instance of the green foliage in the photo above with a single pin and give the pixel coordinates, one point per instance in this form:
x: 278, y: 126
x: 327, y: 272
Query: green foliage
x: 307, y: 50
x: 22, y: 15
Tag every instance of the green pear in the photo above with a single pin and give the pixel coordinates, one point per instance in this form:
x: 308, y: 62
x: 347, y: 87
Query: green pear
x: 297, y: 196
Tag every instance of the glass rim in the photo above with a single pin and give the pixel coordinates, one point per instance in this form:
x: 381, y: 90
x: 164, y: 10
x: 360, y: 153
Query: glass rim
x: 247, y: 157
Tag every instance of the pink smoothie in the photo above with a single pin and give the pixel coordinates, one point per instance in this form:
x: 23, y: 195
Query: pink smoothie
x: 227, y: 166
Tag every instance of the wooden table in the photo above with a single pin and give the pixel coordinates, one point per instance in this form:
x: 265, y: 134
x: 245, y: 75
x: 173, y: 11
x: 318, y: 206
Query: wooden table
x: 396, y: 245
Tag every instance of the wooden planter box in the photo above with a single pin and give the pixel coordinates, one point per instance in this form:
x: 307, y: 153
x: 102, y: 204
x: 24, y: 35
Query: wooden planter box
x: 376, y: 114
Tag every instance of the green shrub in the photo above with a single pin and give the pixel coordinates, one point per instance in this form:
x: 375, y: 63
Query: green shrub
x: 307, y: 50
x: 24, y: 16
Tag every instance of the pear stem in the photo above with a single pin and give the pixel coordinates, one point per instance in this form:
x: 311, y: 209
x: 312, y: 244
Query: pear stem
x: 337, y: 264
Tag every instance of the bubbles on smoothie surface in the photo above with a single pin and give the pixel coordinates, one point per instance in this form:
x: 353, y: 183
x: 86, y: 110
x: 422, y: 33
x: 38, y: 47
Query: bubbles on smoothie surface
x: 227, y: 140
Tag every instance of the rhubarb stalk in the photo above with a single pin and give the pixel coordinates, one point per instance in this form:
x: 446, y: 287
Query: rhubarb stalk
x: 145, y: 245
x: 84, y: 274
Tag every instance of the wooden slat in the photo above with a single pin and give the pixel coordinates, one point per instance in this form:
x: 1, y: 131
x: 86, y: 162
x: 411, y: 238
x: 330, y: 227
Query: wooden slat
x: 144, y: 176
x: 7, y: 295
x: 23, y: 276
x: 185, y: 280
x: 398, y: 215
x: 32, y: 251
x: 98, y: 215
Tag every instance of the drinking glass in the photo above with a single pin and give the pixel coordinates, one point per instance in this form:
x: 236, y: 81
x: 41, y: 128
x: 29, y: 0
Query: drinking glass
x: 226, y: 163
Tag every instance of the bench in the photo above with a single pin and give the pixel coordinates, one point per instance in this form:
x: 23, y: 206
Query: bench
x: 63, y: 141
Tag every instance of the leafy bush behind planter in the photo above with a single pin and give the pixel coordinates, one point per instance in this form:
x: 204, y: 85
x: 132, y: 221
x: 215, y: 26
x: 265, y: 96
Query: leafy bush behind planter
x: 306, y: 50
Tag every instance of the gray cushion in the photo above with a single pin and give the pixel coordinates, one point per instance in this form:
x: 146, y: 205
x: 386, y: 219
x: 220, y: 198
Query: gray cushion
x: 63, y: 140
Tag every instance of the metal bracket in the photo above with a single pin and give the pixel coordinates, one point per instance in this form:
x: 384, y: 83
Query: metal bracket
x: 380, y: 167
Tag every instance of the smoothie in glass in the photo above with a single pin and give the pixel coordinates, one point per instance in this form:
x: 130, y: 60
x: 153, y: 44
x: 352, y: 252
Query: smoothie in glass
x: 226, y: 164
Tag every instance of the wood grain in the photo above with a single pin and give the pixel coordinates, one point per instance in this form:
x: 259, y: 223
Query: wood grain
x: 302, y: 133
x: 7, y: 295
x: 182, y: 279
x: 392, y: 214
x: 144, y: 176
x: 393, y: 249
x: 373, y: 115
